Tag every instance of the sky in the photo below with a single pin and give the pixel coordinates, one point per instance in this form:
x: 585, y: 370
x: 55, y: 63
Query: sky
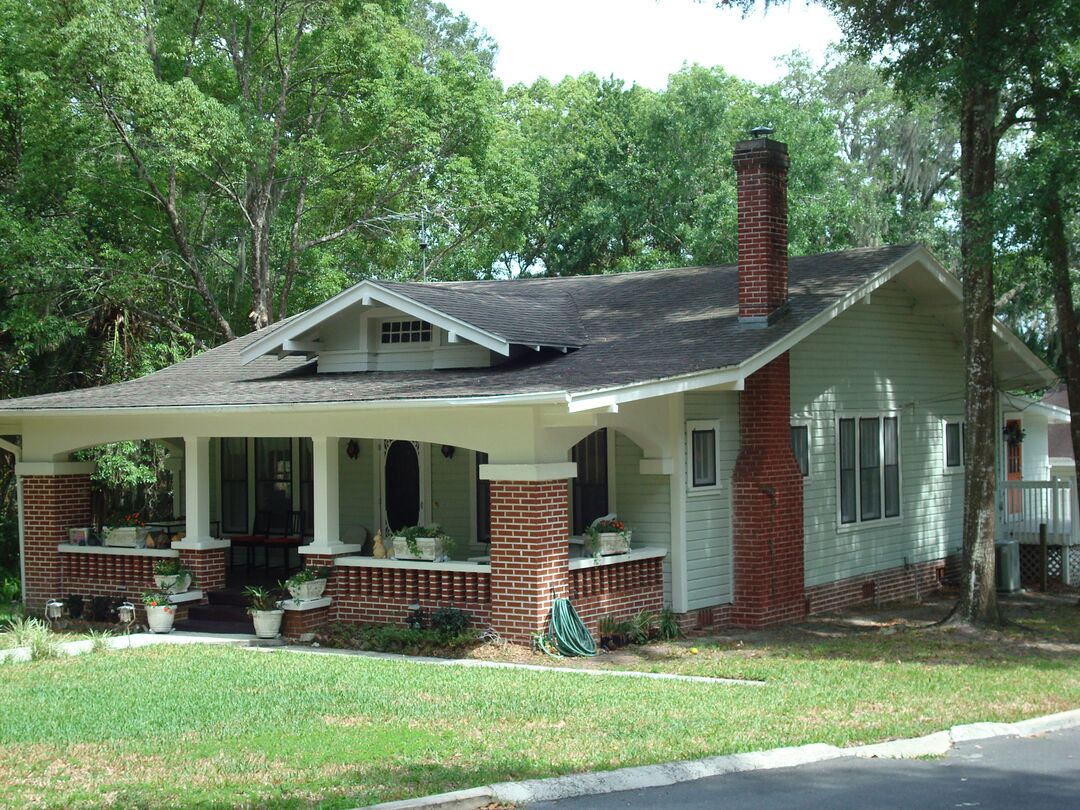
x: 644, y: 41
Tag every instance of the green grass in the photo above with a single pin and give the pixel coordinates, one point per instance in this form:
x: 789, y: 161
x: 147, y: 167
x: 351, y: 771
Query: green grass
x: 211, y: 727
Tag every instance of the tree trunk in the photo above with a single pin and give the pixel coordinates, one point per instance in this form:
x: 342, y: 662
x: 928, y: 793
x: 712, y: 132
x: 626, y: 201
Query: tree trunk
x: 1057, y: 253
x: 978, y: 598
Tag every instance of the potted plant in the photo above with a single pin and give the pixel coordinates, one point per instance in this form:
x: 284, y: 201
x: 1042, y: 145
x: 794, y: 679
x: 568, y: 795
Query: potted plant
x: 160, y: 611
x: 608, y: 535
x: 307, y: 584
x: 172, y: 576
x: 422, y: 543
x: 264, y: 611
x: 127, y: 530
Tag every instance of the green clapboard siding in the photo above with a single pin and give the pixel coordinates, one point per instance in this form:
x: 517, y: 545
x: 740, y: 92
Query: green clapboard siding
x: 356, y: 491
x: 708, y: 515
x: 643, y: 501
x: 880, y: 356
x: 451, y: 502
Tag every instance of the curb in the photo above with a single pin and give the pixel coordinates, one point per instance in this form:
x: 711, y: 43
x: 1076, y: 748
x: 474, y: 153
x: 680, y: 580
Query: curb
x: 650, y: 776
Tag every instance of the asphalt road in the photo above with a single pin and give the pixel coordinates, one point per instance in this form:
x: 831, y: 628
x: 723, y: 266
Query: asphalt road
x: 1004, y: 772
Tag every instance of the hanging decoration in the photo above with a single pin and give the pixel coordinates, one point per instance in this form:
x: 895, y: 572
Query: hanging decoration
x: 352, y: 449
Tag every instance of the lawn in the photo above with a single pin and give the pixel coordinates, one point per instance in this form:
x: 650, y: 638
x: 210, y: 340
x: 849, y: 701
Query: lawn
x: 210, y: 726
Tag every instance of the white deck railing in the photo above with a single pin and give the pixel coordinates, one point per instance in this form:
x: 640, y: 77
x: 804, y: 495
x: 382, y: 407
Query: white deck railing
x: 1023, y: 506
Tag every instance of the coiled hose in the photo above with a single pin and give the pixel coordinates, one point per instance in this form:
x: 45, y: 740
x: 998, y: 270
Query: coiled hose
x: 568, y: 631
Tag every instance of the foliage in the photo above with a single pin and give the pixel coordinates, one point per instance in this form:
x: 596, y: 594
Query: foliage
x: 30, y: 632
x: 450, y: 621
x: 451, y: 639
x: 306, y: 575
x: 172, y: 567
x: 157, y: 598
x: 10, y: 588
x: 262, y: 599
x: 99, y: 640
x: 667, y: 625
x: 410, y: 534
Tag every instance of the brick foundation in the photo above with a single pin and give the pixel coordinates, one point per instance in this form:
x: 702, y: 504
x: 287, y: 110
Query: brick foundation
x: 529, y: 563
x: 768, y: 505
x: 296, y: 623
x: 386, y: 595
x: 51, y: 505
x: 905, y: 582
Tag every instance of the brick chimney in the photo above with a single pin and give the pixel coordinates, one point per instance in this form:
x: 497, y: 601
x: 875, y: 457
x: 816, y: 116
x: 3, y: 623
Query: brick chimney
x: 761, y: 168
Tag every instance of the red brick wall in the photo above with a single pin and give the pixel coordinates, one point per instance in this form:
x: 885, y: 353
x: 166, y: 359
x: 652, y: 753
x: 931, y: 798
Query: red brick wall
x: 619, y: 590
x: 208, y: 566
x: 120, y: 575
x: 761, y: 166
x: 385, y: 595
x: 529, y: 554
x: 768, y: 501
x: 296, y: 623
x: 904, y: 582
x: 51, y: 505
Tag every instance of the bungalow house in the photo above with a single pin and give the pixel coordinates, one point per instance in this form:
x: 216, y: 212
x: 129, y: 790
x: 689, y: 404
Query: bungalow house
x: 781, y: 436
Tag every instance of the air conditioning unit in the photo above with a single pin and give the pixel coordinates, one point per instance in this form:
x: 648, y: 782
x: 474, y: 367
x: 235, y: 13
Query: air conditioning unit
x: 1007, y: 566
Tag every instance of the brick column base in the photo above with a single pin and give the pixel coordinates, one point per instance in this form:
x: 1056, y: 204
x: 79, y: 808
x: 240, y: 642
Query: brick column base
x: 529, y: 554
x: 768, y: 501
x: 208, y: 565
x: 297, y: 623
x: 51, y: 505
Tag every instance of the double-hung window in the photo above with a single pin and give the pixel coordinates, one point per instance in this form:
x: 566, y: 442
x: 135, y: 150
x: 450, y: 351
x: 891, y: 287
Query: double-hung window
x: 868, y: 468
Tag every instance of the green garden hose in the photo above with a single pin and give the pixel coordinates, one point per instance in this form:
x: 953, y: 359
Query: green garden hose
x: 569, y: 632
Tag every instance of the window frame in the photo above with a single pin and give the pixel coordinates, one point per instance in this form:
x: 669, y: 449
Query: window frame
x: 802, y: 422
x: 859, y: 523
x: 945, y: 466
x: 412, y: 345
x: 695, y: 426
x: 289, y: 481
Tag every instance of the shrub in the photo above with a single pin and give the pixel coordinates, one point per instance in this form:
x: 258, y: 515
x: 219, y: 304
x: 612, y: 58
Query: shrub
x: 392, y: 639
x: 450, y: 621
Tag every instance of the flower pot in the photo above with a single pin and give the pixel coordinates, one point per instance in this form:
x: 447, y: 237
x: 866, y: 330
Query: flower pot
x: 307, y: 591
x: 612, y: 543
x: 428, y: 548
x: 126, y: 536
x: 160, y: 618
x: 267, y: 622
x: 173, y: 583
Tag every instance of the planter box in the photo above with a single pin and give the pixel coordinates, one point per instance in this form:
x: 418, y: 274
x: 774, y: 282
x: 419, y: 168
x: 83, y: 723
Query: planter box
x: 267, y: 622
x: 430, y: 548
x: 160, y: 618
x: 126, y: 536
x: 307, y: 591
x: 171, y: 584
x: 612, y: 543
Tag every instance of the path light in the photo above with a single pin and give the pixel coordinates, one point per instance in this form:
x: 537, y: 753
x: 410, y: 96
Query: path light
x: 54, y: 609
x: 126, y: 613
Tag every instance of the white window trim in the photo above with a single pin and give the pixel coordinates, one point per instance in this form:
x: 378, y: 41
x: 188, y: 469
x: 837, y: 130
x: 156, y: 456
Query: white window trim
x: 859, y: 524
x: 420, y: 345
x: 807, y: 423
x: 959, y: 469
x: 691, y: 426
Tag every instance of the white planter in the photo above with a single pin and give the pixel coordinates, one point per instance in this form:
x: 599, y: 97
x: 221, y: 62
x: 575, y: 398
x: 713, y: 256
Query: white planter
x: 170, y: 583
x: 160, y: 618
x: 307, y: 591
x: 126, y: 536
x: 429, y: 548
x: 267, y: 622
x: 613, y: 543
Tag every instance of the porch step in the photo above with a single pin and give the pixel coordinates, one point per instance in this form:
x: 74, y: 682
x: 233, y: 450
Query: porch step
x: 220, y: 627
x: 218, y: 613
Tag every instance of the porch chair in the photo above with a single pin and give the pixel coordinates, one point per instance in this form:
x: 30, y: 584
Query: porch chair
x: 260, y: 531
x: 288, y: 537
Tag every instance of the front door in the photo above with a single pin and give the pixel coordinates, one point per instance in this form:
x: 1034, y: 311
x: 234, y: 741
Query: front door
x: 402, y: 485
x: 1014, y: 464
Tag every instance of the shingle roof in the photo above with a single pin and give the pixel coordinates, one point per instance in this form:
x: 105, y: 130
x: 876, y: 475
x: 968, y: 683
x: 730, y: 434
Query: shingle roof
x: 633, y: 327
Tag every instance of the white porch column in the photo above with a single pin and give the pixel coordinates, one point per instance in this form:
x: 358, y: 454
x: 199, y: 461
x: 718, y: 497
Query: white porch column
x: 325, y: 474
x: 197, y: 496
x: 324, y: 462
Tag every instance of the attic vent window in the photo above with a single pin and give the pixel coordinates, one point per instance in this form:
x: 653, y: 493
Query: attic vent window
x: 406, y: 332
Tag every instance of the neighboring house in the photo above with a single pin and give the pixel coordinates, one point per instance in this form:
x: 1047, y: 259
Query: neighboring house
x: 782, y: 437
x: 1059, y: 439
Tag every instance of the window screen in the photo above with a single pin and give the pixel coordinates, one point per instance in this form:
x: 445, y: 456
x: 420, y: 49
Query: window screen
x: 234, y: 485
x: 869, y: 469
x: 800, y: 446
x: 273, y: 479
x: 953, y: 445
x: 891, y: 449
x: 847, y: 471
x: 704, y: 457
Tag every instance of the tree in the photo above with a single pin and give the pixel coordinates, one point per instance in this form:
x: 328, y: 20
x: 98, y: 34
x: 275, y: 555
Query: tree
x: 974, y: 56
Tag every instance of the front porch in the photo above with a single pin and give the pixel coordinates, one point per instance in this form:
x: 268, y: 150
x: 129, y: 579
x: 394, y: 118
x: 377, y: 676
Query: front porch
x: 518, y: 528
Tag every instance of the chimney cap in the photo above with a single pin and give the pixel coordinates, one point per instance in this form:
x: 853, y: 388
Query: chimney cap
x: 762, y: 131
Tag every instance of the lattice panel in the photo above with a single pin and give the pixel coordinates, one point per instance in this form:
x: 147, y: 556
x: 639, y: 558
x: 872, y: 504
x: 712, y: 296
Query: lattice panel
x: 1031, y: 564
